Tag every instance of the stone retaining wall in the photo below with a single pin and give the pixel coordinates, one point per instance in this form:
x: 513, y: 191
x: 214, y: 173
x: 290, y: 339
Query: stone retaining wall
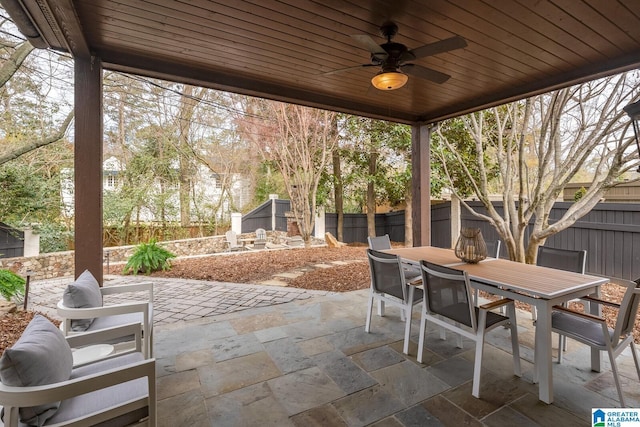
x: 61, y: 264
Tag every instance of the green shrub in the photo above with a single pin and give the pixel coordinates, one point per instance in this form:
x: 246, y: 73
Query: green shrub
x: 11, y: 284
x: 148, y: 257
x: 579, y: 194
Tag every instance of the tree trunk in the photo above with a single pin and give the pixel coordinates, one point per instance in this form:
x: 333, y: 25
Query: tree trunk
x: 188, y: 104
x: 338, y: 191
x: 408, y: 219
x: 371, y: 195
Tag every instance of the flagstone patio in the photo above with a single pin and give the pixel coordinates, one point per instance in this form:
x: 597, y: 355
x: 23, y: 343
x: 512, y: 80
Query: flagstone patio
x: 309, y: 362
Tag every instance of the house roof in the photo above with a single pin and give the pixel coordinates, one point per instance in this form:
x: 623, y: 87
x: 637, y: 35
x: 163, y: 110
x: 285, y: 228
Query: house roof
x: 281, y: 49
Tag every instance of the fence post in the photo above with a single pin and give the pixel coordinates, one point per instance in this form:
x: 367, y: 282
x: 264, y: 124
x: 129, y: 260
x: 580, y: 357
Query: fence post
x: 236, y: 222
x: 31, y: 243
x: 273, y: 198
x: 455, y: 219
x: 320, y: 224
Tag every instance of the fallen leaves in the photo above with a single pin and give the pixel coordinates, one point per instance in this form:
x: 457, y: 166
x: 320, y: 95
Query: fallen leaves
x: 12, y: 325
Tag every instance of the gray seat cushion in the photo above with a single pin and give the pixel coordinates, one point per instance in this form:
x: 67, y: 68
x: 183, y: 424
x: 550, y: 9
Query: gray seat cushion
x: 100, y: 399
x: 83, y: 293
x: 41, y: 356
x: 583, y: 330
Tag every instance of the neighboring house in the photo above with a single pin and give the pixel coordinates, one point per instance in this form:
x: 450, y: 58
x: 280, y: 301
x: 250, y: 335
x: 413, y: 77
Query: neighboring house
x: 208, y: 189
x: 111, y: 169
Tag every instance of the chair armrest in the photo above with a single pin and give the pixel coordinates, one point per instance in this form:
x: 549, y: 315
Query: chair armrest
x: 600, y: 301
x: 495, y: 304
x: 586, y: 316
x: 107, y: 310
x: 102, y: 335
x: 132, y: 287
x: 37, y: 395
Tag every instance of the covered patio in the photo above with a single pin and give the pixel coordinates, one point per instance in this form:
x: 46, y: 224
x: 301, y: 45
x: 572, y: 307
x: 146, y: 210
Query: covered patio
x: 471, y: 55
x: 310, y: 362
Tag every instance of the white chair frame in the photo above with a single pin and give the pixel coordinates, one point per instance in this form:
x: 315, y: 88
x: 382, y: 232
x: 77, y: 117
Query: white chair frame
x: 478, y: 328
x: 405, y: 304
x: 13, y: 398
x: 613, y: 343
x: 231, y: 239
x: 261, y: 239
x: 145, y: 307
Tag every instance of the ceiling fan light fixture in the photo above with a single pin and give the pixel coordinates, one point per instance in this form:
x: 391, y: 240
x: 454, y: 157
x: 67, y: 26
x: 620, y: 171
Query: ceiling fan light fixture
x: 389, y: 80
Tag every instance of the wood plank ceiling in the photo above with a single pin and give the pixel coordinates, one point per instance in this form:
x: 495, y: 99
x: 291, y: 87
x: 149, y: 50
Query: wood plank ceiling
x: 279, y: 49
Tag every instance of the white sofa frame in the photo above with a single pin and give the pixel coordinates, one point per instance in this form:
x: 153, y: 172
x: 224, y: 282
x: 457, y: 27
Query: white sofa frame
x: 146, y: 308
x: 13, y: 398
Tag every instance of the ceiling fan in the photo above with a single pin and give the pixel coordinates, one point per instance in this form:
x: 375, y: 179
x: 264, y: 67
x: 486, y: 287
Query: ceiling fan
x: 394, y: 59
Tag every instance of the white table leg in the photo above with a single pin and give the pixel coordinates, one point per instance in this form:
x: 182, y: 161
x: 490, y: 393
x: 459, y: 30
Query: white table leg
x: 543, y: 364
x: 407, y: 326
x: 596, y: 362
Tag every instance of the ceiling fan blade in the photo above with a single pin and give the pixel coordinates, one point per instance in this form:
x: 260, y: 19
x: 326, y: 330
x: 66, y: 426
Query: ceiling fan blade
x: 368, y: 43
x: 445, y: 45
x: 355, y: 67
x: 425, y: 73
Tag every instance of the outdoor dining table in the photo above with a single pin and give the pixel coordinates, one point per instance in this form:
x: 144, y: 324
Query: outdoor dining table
x: 541, y: 287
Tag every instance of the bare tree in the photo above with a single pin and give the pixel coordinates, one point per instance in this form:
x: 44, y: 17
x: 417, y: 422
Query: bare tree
x: 535, y: 148
x: 14, y: 56
x: 189, y: 100
x: 301, y: 145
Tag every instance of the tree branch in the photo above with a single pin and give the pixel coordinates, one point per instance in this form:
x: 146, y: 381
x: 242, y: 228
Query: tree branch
x: 33, y: 145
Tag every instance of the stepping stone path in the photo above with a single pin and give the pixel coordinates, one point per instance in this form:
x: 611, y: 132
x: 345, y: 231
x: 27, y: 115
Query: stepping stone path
x: 282, y: 279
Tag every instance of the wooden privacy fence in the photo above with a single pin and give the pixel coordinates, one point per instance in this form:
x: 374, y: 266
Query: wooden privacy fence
x: 610, y: 233
x: 271, y: 215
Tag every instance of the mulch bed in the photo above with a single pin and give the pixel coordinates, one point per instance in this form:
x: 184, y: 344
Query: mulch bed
x: 12, y: 325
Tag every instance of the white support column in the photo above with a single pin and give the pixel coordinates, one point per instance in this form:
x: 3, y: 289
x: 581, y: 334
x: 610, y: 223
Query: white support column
x: 320, y: 225
x: 31, y: 243
x: 273, y: 198
x: 236, y: 222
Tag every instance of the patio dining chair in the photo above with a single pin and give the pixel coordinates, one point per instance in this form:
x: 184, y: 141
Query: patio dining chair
x: 388, y: 285
x: 381, y: 243
x: 594, y: 332
x: 561, y: 259
x: 448, y: 304
x: 493, y: 250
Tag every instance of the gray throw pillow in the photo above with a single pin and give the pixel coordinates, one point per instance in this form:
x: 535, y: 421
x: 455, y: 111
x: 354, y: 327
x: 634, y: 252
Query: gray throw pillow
x: 83, y: 293
x: 41, y: 356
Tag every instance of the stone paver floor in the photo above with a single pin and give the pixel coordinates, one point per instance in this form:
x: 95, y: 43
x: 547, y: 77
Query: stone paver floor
x: 179, y: 299
x: 310, y: 363
x: 243, y: 355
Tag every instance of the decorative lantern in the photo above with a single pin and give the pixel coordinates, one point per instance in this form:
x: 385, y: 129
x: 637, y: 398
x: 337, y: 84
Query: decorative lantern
x: 470, y: 246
